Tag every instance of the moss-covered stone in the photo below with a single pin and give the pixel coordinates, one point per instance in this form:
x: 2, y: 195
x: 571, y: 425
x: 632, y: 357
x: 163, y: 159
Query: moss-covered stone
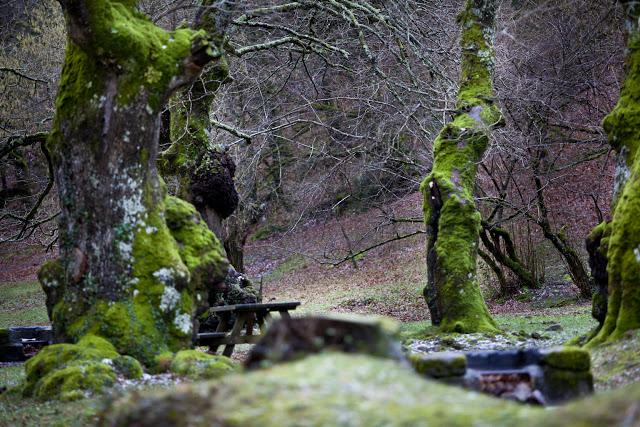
x: 73, y: 371
x: 561, y: 385
x: 198, y: 365
x: 339, y: 389
x: 567, y: 358
x: 439, y: 365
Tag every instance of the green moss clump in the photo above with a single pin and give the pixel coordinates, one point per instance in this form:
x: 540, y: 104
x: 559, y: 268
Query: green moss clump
x: 148, y: 56
x: 198, y: 365
x: 73, y: 371
x: 128, y: 367
x: 162, y: 362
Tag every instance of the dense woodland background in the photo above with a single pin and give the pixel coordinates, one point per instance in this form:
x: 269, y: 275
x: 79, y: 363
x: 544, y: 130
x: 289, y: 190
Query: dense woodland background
x: 319, y: 139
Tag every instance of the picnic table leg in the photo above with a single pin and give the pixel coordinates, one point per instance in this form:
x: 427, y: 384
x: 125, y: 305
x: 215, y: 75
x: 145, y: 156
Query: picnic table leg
x: 222, y: 327
x: 285, y: 315
x: 235, y: 332
x: 251, y: 320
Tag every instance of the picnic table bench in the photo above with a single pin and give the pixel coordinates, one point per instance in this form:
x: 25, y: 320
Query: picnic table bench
x: 246, y: 317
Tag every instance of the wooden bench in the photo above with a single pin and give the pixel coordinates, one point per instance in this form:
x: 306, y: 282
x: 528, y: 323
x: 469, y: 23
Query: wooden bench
x: 246, y: 317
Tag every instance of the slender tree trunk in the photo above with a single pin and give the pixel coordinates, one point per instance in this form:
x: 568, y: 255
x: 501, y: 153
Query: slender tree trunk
x: 623, y: 242
x: 493, y: 239
x: 453, y: 222
x: 134, y: 263
x: 576, y: 266
x: 496, y: 270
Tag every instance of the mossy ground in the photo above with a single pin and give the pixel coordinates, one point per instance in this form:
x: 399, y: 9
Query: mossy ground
x: 338, y: 389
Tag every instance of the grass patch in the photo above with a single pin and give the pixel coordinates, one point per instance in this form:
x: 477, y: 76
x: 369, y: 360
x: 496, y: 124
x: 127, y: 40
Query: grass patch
x: 18, y: 411
x: 380, y: 298
x: 11, y: 375
x: 617, y: 364
x: 574, y: 324
x: 291, y: 264
x: 22, y: 304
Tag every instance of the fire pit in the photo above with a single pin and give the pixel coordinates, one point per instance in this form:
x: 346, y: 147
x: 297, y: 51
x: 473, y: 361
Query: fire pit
x: 536, y: 376
x: 19, y: 343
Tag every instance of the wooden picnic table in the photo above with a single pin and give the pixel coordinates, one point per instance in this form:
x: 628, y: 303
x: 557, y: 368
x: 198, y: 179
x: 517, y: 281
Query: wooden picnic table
x: 246, y: 317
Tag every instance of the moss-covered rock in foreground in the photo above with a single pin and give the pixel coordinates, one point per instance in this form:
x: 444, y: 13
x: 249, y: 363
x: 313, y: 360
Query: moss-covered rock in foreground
x: 337, y: 390
x: 197, y: 365
x: 74, y: 371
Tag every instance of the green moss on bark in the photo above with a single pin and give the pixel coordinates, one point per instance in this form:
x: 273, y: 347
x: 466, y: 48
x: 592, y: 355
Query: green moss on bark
x: 452, y: 219
x: 198, y: 247
x: 623, y: 252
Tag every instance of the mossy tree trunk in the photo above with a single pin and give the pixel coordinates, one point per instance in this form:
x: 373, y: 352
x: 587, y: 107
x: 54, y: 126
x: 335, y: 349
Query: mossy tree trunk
x: 200, y: 171
x: 452, y: 219
x: 621, y: 237
x: 134, y: 264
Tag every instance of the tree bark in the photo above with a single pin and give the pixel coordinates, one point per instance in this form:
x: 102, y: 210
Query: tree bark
x: 134, y: 264
x: 623, y: 244
x: 453, y: 222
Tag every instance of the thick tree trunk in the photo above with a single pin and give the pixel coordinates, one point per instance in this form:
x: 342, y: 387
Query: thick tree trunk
x: 134, y: 263
x: 623, y: 244
x: 453, y: 222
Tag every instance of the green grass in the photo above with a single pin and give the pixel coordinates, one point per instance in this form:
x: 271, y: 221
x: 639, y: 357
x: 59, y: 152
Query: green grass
x: 390, y: 294
x: 22, y: 304
x: 291, y: 264
x: 578, y: 322
x: 11, y: 375
x: 18, y: 411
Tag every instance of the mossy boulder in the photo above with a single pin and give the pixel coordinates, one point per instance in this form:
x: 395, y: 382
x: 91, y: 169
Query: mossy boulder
x: 198, y: 365
x: 332, y: 389
x: 74, y: 371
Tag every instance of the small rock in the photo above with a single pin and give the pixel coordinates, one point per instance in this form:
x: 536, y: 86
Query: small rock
x: 554, y: 327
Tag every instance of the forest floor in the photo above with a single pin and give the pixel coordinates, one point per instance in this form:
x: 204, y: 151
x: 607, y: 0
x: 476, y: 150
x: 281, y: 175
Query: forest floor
x: 299, y: 265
